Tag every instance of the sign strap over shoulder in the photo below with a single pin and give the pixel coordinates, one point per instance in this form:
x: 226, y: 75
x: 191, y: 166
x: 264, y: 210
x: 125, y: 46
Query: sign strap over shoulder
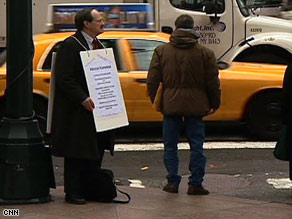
x: 78, y: 41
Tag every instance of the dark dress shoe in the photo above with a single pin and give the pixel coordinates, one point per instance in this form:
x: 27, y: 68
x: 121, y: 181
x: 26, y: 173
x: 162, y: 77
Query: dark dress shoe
x: 75, y: 199
x: 197, y: 190
x: 170, y: 188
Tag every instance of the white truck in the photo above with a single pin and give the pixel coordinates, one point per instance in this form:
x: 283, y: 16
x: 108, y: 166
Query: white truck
x: 274, y: 8
x: 231, y: 31
x: 40, y: 10
x: 225, y: 26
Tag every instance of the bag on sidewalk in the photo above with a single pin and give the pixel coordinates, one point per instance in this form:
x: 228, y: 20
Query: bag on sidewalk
x: 101, y: 188
x: 281, y: 149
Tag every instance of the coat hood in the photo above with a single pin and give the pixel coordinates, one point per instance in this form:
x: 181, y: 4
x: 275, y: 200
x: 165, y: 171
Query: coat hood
x: 184, y: 38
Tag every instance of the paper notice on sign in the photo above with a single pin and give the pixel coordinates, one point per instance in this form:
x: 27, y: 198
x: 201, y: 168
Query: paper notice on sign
x: 105, y: 96
x: 104, y: 89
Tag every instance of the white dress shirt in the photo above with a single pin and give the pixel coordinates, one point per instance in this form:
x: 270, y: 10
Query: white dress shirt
x: 88, y: 39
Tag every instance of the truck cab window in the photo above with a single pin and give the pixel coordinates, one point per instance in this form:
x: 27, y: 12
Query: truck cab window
x: 196, y: 5
x: 243, y: 8
x: 143, y: 51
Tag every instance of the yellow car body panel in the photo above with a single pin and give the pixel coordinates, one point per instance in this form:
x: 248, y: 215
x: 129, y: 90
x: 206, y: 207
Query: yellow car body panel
x: 240, y: 82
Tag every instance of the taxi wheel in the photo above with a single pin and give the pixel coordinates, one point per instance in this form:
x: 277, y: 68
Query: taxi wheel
x: 264, y: 117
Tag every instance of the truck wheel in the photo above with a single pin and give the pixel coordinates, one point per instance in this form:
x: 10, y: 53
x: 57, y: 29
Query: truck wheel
x: 264, y: 54
x: 265, y: 58
x: 264, y: 116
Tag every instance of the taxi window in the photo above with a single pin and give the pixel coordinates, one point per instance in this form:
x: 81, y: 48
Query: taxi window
x: 143, y: 51
x: 196, y: 5
x: 2, y: 57
x: 48, y: 62
x: 112, y: 43
x: 109, y: 43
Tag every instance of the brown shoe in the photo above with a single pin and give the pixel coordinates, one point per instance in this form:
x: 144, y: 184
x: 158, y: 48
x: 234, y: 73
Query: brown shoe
x: 170, y: 188
x: 193, y: 190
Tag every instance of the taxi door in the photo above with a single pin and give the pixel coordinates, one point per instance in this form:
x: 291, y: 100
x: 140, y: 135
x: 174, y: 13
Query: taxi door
x: 218, y: 36
x: 139, y: 104
x: 124, y: 62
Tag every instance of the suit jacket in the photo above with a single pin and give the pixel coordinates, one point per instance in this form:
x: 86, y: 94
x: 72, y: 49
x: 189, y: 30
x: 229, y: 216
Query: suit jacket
x: 73, y: 129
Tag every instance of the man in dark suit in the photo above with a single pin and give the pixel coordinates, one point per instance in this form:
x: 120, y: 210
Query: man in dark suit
x: 74, y: 136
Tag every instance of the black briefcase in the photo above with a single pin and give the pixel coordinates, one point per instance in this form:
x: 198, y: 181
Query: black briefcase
x: 101, y: 187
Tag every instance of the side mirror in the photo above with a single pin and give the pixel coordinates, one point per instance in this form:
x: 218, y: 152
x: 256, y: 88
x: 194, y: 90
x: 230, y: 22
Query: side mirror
x: 167, y: 29
x: 211, y: 8
x: 223, y: 65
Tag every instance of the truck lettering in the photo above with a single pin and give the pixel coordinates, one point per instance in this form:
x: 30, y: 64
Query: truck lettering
x: 270, y: 39
x: 203, y: 28
x: 209, y: 38
x: 256, y: 30
x: 208, y: 35
x: 203, y: 41
x: 214, y: 41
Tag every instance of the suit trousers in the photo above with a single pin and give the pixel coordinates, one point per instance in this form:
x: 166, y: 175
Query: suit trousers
x: 76, y: 170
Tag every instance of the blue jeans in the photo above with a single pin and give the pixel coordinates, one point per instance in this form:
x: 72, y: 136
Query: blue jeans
x: 195, y: 130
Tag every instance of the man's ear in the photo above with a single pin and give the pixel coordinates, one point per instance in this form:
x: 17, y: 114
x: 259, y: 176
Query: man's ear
x: 86, y: 23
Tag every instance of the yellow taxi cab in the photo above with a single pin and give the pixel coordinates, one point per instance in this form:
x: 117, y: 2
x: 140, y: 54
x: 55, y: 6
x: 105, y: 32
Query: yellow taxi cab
x: 251, y: 92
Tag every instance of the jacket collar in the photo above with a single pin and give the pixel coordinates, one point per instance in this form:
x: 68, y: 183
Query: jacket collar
x: 191, y: 31
x: 183, y: 38
x: 81, y: 38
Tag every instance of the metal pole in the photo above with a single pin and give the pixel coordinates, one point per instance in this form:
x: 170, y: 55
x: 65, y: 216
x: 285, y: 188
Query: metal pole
x: 24, y: 160
x: 19, y: 59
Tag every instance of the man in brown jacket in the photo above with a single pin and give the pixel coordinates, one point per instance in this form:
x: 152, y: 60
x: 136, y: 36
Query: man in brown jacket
x: 191, y: 90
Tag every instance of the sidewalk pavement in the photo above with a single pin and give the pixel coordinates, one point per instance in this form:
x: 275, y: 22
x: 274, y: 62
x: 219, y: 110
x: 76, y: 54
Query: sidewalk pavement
x: 155, y: 204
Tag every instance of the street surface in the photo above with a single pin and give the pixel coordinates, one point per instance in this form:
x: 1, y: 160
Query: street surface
x: 238, y: 164
x: 239, y: 173
x: 244, y: 173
